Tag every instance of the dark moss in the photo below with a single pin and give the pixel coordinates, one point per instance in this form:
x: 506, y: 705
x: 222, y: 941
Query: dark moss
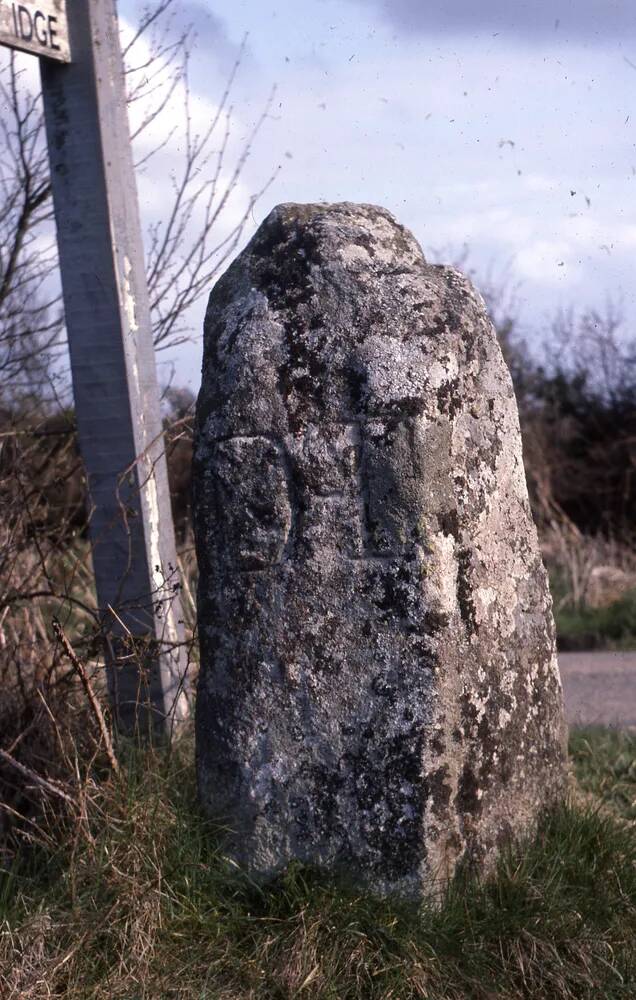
x: 449, y: 397
x: 465, y: 590
x: 439, y: 791
x: 467, y: 799
x: 391, y: 775
x: 449, y: 523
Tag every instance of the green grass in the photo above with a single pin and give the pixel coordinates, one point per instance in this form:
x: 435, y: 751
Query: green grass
x: 605, y: 766
x: 137, y: 902
x: 611, y: 627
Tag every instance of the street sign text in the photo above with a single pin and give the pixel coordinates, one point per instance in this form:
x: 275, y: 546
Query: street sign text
x: 36, y: 26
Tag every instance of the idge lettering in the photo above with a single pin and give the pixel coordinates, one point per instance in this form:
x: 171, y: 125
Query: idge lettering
x: 35, y: 27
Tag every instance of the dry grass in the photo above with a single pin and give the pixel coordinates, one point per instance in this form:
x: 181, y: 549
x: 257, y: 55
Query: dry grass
x: 50, y: 730
x: 132, y: 898
x: 593, y: 583
x: 593, y: 570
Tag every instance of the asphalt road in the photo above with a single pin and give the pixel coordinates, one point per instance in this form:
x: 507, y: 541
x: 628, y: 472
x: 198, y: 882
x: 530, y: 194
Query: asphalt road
x: 599, y: 688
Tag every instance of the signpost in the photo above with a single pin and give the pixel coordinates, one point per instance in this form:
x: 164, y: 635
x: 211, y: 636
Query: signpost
x: 37, y: 26
x: 110, y: 342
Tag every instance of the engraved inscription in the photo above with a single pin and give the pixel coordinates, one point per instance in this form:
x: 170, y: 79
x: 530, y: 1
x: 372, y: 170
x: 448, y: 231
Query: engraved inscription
x: 345, y: 489
x: 327, y: 489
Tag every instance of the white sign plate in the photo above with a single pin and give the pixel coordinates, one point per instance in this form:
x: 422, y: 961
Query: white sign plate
x: 36, y: 26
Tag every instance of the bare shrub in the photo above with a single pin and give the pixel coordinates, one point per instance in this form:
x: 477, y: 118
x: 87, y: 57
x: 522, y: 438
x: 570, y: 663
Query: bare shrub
x: 594, y: 571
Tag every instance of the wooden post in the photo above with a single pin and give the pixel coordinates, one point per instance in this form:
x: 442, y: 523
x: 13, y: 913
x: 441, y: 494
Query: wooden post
x: 113, y: 367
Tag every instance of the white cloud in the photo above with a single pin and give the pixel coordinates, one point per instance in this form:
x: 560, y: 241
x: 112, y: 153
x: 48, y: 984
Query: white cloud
x: 549, y: 262
x: 163, y: 141
x: 540, y: 184
x: 480, y: 144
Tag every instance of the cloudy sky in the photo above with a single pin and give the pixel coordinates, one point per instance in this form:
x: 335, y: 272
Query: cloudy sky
x: 505, y: 126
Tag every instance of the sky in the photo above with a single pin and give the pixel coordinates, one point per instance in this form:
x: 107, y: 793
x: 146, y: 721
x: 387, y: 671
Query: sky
x: 505, y: 130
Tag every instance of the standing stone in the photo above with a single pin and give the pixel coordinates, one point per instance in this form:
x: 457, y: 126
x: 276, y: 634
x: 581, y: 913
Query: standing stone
x: 379, y: 690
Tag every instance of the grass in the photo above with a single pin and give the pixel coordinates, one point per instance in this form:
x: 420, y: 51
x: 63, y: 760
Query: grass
x: 611, y: 627
x: 136, y: 901
x: 605, y: 766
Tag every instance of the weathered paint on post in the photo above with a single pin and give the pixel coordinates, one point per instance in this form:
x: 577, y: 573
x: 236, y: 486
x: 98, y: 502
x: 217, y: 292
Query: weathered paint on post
x: 36, y: 26
x: 113, y: 368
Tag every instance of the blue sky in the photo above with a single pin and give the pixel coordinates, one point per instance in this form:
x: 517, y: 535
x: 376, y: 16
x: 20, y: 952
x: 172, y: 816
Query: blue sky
x: 506, y: 127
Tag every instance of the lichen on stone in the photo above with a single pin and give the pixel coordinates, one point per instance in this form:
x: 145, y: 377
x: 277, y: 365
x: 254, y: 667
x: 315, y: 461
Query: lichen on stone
x: 379, y: 690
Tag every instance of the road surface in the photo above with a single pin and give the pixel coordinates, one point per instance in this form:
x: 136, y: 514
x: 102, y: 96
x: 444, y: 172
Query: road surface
x: 599, y: 688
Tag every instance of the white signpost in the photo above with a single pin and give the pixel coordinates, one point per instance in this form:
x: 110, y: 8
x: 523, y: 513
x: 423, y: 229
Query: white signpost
x: 37, y: 27
x: 110, y: 343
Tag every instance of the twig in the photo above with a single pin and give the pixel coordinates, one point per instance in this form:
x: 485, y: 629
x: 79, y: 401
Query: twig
x: 37, y: 778
x: 90, y: 694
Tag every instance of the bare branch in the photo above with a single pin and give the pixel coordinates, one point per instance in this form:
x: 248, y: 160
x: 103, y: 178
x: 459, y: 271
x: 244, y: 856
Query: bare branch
x: 90, y: 694
x: 26, y: 772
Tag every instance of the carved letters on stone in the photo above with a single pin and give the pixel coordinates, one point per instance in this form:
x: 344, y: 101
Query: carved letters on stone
x: 264, y: 514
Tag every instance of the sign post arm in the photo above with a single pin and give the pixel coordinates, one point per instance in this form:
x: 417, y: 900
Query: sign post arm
x: 36, y: 26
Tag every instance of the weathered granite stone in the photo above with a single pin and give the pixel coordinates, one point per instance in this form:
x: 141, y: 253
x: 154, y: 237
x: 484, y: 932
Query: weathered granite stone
x: 379, y: 689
